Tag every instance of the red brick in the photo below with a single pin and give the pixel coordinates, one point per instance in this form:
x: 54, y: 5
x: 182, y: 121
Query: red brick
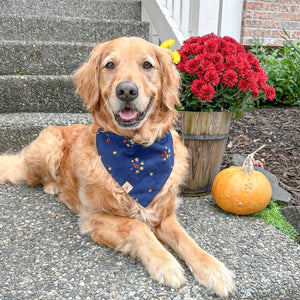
x: 291, y: 25
x: 261, y: 33
x: 291, y: 1
x: 281, y: 7
x: 271, y: 24
x: 275, y: 1
x: 294, y: 35
x: 254, y: 5
x: 274, y: 7
x: 252, y: 23
x: 282, y: 16
x: 262, y: 15
x: 290, y: 8
x: 247, y: 14
x: 276, y: 42
x: 294, y: 17
x: 272, y: 1
x: 277, y: 33
x: 247, y: 32
x: 247, y: 41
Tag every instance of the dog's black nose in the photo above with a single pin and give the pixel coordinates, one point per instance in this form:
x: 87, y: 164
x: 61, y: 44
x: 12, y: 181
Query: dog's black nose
x: 127, y: 91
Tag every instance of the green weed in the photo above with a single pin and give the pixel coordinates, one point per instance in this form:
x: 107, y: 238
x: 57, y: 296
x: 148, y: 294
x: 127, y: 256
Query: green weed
x: 273, y: 216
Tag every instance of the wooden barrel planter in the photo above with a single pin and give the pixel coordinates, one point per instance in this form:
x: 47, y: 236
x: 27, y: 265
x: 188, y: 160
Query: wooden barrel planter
x: 205, y: 135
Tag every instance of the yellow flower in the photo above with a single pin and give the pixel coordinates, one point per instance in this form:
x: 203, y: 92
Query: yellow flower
x: 167, y: 44
x: 176, y: 57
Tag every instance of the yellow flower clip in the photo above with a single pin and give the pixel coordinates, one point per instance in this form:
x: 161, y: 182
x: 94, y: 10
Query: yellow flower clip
x: 175, y: 55
x: 167, y: 44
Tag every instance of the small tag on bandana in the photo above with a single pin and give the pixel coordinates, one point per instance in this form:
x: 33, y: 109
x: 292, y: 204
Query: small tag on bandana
x: 127, y: 187
x: 141, y: 171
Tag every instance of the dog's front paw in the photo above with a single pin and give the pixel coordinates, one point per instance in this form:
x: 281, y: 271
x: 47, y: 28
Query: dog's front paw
x: 214, y: 275
x: 166, y: 270
x: 50, y: 187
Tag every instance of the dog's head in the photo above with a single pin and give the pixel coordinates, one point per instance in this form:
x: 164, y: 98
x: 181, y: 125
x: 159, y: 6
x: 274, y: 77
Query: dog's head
x: 131, y: 87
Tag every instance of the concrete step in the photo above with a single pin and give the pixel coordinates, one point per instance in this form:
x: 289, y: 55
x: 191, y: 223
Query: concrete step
x: 42, y: 93
x: 44, y: 58
x: 67, y: 29
x: 17, y: 130
x: 43, y: 255
x: 94, y: 9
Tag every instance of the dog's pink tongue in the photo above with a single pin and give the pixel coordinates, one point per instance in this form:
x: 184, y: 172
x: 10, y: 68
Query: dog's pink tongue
x: 128, y: 114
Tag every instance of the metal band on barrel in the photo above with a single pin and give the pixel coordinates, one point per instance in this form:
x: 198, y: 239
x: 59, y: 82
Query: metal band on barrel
x: 204, y: 136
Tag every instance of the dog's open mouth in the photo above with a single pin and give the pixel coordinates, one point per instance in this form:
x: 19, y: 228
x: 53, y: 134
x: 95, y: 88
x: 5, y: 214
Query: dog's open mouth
x: 131, y: 118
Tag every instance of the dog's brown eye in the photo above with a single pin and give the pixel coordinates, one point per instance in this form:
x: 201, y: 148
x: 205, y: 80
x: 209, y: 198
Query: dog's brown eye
x: 110, y: 65
x: 147, y: 65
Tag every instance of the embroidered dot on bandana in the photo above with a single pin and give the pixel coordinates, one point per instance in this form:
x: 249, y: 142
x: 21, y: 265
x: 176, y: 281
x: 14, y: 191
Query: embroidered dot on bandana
x: 141, y: 171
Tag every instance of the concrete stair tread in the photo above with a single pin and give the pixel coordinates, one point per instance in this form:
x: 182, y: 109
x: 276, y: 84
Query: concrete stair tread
x: 40, y: 57
x: 42, y: 77
x: 46, y: 43
x: 43, y: 119
x: 38, y: 93
x: 67, y: 18
x: 17, y: 130
x: 114, y: 9
x: 68, y: 29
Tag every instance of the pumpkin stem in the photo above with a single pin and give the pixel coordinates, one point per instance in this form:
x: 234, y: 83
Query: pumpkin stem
x: 248, y: 163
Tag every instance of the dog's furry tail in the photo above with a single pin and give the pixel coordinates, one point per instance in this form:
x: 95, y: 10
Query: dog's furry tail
x: 12, y: 168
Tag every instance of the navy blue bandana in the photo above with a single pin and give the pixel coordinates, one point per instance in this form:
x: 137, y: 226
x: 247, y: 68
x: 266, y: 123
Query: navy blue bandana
x: 141, y: 171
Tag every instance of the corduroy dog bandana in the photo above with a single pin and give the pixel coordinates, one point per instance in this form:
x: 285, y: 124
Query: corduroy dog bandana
x: 141, y: 171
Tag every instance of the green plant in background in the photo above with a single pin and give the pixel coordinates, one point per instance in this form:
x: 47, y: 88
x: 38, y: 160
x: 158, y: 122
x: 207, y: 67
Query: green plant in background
x: 282, y: 66
x: 273, y: 216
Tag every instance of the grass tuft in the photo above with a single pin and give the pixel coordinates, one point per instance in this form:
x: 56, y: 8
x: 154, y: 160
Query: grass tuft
x: 273, y: 216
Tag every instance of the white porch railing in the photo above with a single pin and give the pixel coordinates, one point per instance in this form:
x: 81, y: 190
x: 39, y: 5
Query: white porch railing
x: 180, y: 19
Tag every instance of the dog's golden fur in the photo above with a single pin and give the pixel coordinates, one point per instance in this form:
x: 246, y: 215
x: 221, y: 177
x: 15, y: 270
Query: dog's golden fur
x: 66, y: 162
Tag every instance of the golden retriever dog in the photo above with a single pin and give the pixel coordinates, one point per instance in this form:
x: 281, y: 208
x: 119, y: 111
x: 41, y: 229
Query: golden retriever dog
x: 130, y: 87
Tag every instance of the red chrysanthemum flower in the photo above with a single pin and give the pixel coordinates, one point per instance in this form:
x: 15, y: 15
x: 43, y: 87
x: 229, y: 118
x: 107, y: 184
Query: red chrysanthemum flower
x: 269, y: 92
x: 216, y: 58
x: 192, y: 66
x: 202, y: 91
x: 212, y: 77
x: 231, y: 62
x: 243, y: 85
x: 262, y: 80
x: 230, y: 78
x: 206, y: 64
x: 206, y: 92
x: 253, y: 86
x: 221, y: 66
x: 211, y: 46
x: 196, y: 86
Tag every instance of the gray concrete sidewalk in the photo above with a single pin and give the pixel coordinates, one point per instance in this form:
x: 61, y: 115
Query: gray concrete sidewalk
x: 43, y: 256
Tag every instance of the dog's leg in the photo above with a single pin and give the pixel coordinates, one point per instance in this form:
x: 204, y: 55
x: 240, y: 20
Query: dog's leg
x: 43, y: 157
x: 135, y: 238
x: 51, y: 187
x: 38, y: 163
x: 12, y: 168
x: 209, y: 271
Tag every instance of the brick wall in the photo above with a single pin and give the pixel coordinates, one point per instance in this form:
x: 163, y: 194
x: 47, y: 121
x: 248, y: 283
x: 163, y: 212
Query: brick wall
x: 267, y: 18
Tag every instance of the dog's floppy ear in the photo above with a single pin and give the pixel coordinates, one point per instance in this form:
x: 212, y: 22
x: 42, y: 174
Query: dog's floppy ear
x: 87, y: 78
x: 170, y: 78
